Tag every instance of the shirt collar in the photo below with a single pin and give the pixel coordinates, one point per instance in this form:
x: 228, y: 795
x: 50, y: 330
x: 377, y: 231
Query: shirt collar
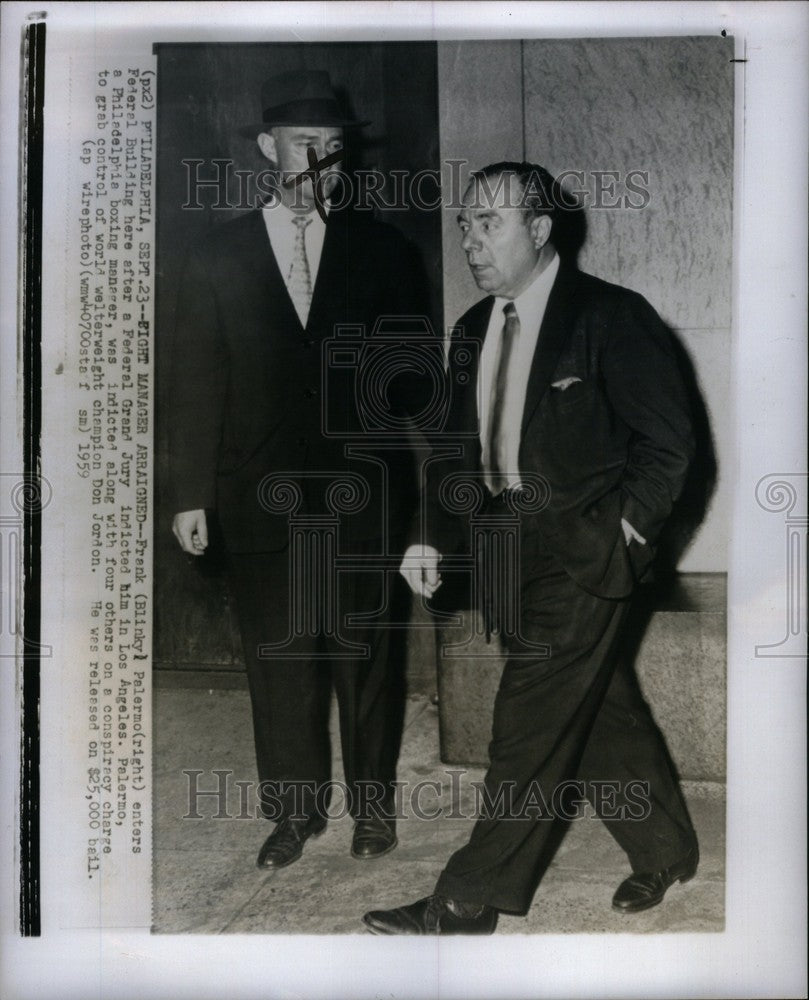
x: 535, y: 296
x: 281, y: 213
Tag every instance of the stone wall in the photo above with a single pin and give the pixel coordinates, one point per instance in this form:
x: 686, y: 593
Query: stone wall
x: 658, y: 105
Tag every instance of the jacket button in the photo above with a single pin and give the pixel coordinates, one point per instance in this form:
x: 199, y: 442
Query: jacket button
x: 311, y: 393
x: 301, y: 442
x: 308, y: 344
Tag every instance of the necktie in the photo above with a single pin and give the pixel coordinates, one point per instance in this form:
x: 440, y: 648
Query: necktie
x: 299, y: 281
x: 498, y: 431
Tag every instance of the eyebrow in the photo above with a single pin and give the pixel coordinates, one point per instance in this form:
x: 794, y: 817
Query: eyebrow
x: 485, y: 214
x: 314, y: 135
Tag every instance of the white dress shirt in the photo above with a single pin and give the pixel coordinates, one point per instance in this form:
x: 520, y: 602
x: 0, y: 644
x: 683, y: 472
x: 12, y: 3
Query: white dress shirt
x: 279, y: 222
x: 530, y: 308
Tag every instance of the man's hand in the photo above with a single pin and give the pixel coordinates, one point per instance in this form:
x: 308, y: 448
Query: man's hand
x: 420, y: 569
x: 191, y: 530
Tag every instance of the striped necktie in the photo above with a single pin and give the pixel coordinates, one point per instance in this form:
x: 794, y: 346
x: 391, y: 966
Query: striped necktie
x: 498, y: 431
x: 299, y: 281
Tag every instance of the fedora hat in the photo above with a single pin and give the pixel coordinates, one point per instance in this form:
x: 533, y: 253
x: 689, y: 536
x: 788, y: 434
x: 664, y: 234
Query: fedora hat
x: 299, y: 97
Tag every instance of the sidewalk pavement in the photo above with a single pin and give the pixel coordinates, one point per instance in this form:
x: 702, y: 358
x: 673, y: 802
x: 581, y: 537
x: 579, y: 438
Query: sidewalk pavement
x: 206, y: 880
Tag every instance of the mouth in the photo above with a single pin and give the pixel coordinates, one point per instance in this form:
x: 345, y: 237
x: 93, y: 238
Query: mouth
x: 480, y: 272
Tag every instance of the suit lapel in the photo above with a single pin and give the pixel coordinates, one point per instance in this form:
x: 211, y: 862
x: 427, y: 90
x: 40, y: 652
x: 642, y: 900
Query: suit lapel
x: 331, y: 273
x: 474, y: 330
x: 265, y: 277
x: 553, y: 334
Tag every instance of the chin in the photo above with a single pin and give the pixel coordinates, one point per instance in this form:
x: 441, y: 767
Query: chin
x: 484, y: 285
x: 302, y: 202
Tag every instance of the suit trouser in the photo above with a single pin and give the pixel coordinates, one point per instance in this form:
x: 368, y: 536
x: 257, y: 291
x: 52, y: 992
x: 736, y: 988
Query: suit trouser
x: 290, y: 688
x: 576, y: 716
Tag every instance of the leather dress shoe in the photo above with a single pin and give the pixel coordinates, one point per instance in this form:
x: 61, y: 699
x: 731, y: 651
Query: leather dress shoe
x: 433, y: 915
x: 285, y: 844
x: 373, y: 837
x: 643, y: 890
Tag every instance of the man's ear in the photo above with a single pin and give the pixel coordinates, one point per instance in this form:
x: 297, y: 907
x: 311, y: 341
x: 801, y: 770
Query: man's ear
x: 266, y: 143
x: 540, y: 230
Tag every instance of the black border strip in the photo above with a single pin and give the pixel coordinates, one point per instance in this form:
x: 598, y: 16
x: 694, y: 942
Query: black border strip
x: 31, y: 175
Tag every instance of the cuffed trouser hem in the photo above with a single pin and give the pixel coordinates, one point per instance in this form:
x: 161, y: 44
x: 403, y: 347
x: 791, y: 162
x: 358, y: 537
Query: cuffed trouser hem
x: 658, y: 862
x: 461, y: 892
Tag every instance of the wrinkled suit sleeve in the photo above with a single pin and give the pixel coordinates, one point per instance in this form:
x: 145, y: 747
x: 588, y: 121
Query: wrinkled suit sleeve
x: 646, y: 389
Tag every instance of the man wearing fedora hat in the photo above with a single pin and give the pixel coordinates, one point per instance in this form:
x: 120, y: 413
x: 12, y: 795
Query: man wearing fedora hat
x: 253, y: 438
x: 298, y: 106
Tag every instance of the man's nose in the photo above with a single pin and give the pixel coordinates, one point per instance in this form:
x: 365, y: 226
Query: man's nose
x: 469, y: 242
x: 320, y: 150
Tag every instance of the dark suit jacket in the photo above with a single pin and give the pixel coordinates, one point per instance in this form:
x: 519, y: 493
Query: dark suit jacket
x: 615, y: 444
x: 251, y: 394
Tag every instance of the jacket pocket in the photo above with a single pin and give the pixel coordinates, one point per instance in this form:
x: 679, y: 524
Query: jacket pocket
x: 573, y: 396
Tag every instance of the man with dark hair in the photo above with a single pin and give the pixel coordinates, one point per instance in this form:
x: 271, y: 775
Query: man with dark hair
x: 527, y: 186
x: 251, y: 437
x: 576, y: 383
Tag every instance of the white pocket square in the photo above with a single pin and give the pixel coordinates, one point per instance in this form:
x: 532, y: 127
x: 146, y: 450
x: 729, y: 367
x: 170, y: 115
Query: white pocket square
x: 565, y: 383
